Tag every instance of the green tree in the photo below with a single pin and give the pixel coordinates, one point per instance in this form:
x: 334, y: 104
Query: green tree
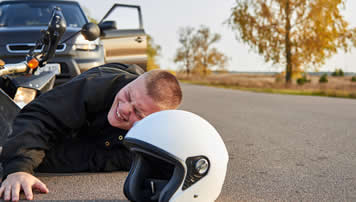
x: 297, y: 33
x: 338, y: 72
x: 196, y: 52
x: 323, y: 78
x: 353, y: 79
x: 153, y: 51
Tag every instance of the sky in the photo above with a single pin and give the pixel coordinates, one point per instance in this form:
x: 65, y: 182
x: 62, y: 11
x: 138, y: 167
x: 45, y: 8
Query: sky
x: 163, y: 18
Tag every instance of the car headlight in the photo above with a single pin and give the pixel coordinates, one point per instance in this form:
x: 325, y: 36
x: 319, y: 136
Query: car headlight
x: 82, y: 44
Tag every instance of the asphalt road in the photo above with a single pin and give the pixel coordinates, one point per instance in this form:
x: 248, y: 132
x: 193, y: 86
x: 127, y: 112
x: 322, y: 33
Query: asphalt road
x: 281, y: 147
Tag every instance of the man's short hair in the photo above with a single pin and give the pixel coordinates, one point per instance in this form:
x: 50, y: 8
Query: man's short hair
x: 163, y: 87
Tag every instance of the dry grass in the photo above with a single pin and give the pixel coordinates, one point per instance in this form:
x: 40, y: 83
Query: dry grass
x: 336, y: 86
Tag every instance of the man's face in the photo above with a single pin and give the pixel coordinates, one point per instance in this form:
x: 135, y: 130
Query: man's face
x: 131, y: 104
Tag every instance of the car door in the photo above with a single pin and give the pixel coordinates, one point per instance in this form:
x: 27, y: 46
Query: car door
x: 127, y: 43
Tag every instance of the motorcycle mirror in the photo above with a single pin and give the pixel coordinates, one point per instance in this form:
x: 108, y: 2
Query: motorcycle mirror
x: 57, y: 23
x: 56, y: 28
x: 90, y: 31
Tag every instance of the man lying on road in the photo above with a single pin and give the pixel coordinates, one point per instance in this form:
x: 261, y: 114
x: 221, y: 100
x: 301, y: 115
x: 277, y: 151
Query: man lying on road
x: 79, y: 126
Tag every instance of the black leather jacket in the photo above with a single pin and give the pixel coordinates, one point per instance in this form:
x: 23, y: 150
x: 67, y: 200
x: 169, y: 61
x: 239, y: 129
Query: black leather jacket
x: 66, y: 129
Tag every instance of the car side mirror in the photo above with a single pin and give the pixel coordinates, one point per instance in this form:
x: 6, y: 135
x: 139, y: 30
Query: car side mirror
x: 90, y: 31
x: 107, y: 25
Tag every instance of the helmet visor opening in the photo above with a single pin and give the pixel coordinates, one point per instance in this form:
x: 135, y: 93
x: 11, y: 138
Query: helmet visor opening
x: 147, y: 178
x: 155, y: 175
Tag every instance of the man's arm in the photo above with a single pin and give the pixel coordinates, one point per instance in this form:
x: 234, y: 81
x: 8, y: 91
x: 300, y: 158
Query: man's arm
x: 39, y: 124
x: 35, y: 129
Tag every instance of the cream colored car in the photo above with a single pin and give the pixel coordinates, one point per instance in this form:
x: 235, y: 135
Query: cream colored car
x: 127, y: 43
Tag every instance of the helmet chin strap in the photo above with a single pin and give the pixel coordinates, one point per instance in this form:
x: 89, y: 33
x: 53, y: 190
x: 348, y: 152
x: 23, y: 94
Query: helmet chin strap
x: 153, y: 190
x: 155, y: 186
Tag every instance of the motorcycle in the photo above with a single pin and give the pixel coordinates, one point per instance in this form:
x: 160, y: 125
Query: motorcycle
x: 22, y: 82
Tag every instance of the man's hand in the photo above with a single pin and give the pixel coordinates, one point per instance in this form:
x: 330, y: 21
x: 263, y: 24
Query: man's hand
x: 12, y: 185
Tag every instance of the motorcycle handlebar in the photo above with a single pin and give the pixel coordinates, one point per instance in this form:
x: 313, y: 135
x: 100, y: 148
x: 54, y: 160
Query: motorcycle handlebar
x: 13, y: 68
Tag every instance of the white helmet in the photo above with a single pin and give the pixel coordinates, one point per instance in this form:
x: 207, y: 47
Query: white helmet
x: 178, y: 156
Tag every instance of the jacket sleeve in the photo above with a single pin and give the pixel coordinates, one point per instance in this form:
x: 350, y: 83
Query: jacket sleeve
x: 59, y: 112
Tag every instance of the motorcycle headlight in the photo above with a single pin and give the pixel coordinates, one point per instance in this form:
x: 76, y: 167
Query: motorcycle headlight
x: 82, y: 44
x: 24, y: 96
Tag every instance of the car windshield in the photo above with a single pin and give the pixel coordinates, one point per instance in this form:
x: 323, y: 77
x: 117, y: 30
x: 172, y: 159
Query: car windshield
x: 38, y: 14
